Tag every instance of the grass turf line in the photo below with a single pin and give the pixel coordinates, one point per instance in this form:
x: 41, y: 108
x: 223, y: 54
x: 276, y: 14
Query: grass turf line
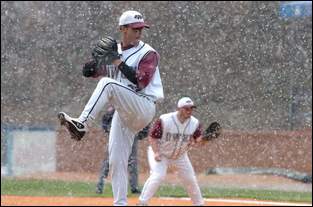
x: 35, y: 187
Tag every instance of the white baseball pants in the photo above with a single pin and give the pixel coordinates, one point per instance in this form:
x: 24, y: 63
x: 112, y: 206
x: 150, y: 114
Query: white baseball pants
x: 133, y: 112
x: 158, y: 174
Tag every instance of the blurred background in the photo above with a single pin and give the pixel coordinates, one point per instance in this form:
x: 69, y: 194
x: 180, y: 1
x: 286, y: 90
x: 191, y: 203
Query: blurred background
x: 247, y: 65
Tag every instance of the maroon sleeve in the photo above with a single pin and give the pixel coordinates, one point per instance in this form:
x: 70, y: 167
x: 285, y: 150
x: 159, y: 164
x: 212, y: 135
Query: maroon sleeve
x: 146, y: 69
x: 156, y: 130
x: 198, y: 132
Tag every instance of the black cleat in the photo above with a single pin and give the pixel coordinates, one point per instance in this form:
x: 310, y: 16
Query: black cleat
x: 75, y: 127
x: 99, y: 189
x: 135, y: 191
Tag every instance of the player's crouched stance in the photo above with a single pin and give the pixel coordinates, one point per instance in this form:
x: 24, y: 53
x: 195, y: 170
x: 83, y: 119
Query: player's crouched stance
x: 170, y: 137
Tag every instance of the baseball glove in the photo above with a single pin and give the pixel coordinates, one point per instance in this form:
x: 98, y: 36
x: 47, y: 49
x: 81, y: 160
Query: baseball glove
x: 105, y: 51
x: 90, y: 69
x: 212, y: 132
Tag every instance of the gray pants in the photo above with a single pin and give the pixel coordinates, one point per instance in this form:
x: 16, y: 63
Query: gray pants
x: 132, y: 168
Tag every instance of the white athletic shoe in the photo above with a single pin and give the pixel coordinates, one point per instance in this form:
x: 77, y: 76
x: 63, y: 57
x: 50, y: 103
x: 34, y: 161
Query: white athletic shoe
x: 75, y: 127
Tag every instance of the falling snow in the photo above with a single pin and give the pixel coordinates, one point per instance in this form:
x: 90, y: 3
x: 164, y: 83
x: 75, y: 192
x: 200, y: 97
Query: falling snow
x: 242, y: 63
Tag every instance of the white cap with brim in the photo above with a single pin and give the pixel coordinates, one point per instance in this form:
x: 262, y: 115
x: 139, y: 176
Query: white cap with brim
x: 132, y: 19
x: 185, y: 102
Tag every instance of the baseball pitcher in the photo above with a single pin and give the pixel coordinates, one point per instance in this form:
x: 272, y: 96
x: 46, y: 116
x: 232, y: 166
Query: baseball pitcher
x: 170, y: 137
x: 132, y: 85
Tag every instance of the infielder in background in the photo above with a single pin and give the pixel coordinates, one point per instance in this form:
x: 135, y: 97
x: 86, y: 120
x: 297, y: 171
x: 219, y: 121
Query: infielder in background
x: 170, y: 137
x: 132, y: 86
x: 132, y: 161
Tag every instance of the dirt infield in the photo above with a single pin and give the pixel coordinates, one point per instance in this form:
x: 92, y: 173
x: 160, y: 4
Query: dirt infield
x: 91, y: 201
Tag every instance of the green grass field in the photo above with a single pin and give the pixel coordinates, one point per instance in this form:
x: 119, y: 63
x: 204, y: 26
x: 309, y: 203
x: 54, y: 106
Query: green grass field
x: 34, y: 187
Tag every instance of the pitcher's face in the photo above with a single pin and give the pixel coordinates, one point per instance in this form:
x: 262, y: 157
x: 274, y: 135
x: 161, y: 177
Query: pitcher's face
x: 132, y: 35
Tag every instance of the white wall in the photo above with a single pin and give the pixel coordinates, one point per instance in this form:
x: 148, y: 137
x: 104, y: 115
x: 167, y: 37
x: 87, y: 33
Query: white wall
x: 31, y: 151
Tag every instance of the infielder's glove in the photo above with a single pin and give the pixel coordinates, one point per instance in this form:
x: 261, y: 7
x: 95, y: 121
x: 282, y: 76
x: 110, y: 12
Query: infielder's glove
x: 105, y: 51
x: 213, y: 131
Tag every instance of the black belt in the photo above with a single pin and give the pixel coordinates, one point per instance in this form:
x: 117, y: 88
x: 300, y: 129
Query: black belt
x: 153, y: 101
x: 144, y: 95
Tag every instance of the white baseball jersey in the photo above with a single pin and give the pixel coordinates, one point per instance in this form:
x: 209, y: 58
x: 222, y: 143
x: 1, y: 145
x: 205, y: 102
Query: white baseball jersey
x: 132, y: 58
x: 176, y: 135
